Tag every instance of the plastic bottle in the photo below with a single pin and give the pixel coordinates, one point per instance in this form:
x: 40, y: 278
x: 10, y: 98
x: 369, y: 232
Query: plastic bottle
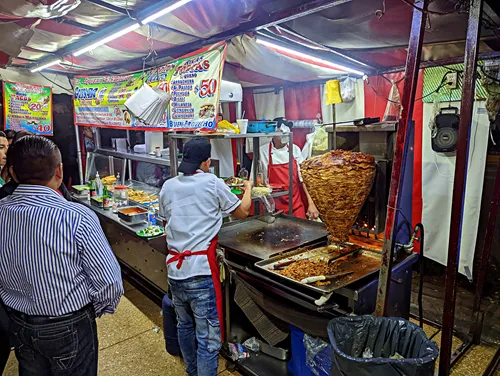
x: 98, y: 185
x: 151, y: 215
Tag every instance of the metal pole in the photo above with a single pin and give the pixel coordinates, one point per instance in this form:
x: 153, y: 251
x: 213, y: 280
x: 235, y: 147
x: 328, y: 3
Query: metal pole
x: 408, y: 99
x: 79, y: 154
x: 291, y: 161
x: 334, y: 133
x: 256, y: 158
x: 476, y: 326
x: 468, y: 90
x: 172, y: 145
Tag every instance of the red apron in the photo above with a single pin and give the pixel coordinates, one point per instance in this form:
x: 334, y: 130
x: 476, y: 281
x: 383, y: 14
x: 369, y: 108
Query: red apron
x: 211, y: 253
x: 279, y: 174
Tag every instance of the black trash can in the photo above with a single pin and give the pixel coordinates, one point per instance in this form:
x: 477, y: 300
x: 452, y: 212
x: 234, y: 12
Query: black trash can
x: 380, y: 346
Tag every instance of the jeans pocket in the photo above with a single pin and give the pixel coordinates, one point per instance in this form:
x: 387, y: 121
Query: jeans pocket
x: 202, y: 301
x: 60, y: 348
x: 22, y: 351
x: 214, y: 339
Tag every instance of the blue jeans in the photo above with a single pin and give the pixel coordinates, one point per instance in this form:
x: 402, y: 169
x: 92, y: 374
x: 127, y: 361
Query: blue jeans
x: 58, y: 346
x: 198, y: 324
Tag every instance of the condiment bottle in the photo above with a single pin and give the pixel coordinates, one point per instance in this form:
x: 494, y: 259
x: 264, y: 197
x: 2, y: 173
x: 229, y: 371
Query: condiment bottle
x: 91, y: 190
x: 98, y: 185
x: 106, y: 202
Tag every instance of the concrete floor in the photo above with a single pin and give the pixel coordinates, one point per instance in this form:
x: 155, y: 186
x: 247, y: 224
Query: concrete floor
x: 131, y: 343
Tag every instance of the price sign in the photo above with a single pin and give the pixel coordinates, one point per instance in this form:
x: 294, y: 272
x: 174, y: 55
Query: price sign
x: 28, y: 107
x: 192, y: 81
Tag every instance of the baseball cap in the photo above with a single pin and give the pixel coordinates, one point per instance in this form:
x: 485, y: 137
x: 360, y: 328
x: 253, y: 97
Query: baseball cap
x: 196, y: 151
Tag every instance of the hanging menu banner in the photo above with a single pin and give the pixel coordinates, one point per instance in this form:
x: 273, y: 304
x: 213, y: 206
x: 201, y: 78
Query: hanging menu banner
x: 192, y: 81
x: 28, y: 107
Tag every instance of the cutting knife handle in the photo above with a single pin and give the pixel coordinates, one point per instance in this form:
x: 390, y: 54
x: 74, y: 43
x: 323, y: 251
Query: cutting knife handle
x: 313, y: 279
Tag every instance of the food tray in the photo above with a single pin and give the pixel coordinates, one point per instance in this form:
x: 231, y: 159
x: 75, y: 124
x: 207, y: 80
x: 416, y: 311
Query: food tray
x: 363, y: 263
x: 133, y: 214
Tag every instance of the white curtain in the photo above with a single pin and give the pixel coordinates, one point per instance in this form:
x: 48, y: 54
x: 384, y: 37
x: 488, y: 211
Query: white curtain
x: 438, y: 171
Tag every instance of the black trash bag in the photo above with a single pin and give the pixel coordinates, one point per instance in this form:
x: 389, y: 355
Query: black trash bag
x: 380, y: 346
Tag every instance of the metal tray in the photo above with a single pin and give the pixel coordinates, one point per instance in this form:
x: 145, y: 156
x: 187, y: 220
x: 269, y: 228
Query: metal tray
x: 363, y: 263
x: 258, y: 240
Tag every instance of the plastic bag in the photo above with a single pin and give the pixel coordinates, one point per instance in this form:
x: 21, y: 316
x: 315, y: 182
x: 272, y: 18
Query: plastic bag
x: 393, y: 108
x: 252, y: 344
x: 224, y: 126
x: 320, y: 143
x: 307, y: 149
x: 318, y: 355
x: 383, y: 338
x: 332, y: 92
x: 348, y: 89
x: 237, y: 351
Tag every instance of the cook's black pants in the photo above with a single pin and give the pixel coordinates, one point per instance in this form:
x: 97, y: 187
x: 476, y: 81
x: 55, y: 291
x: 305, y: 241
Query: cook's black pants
x: 4, y: 338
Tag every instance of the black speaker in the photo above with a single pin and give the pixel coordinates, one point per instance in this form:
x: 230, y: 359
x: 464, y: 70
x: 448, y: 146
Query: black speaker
x: 446, y: 137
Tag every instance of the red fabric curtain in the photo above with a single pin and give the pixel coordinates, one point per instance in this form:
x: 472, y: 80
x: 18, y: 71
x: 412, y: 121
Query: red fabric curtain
x: 249, y: 104
x: 302, y: 103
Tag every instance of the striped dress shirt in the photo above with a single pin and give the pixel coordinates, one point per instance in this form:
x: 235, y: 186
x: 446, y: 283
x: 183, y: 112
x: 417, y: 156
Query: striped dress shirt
x: 54, y: 257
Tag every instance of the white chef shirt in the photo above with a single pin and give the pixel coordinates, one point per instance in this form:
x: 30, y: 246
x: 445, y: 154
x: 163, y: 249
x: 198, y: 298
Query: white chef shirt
x: 279, y: 156
x: 193, y: 206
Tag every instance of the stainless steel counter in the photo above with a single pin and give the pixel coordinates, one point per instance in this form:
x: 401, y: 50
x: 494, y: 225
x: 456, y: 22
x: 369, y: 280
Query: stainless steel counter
x: 142, y: 259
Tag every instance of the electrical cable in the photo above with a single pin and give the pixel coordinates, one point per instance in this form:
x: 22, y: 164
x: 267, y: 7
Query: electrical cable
x: 378, y: 94
x: 426, y: 11
x: 421, y: 276
x: 55, y: 83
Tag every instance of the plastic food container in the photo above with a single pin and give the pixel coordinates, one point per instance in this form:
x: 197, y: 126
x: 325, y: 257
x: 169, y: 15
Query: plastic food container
x: 120, y: 195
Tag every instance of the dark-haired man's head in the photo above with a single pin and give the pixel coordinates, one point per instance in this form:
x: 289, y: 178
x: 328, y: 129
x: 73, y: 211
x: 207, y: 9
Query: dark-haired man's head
x: 22, y: 133
x: 37, y: 161
x: 4, y: 146
x: 10, y: 135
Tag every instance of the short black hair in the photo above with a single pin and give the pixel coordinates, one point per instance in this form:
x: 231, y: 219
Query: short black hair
x: 22, y: 133
x: 34, y: 159
x: 2, y: 134
x: 10, y: 134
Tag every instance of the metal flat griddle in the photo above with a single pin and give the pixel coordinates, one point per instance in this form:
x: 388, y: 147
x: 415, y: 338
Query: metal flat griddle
x: 259, y: 240
x: 362, y: 263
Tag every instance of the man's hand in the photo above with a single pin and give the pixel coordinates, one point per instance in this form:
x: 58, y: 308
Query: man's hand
x: 248, y: 185
x: 312, y: 211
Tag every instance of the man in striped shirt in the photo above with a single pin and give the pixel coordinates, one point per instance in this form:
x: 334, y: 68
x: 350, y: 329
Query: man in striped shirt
x: 57, y: 270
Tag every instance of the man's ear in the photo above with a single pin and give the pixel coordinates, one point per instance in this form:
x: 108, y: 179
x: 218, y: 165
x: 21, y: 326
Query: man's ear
x: 13, y: 174
x: 59, y: 172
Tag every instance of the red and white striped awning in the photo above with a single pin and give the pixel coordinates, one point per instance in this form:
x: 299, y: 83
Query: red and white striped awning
x: 36, y: 29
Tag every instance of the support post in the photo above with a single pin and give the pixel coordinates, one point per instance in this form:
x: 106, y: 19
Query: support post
x: 408, y: 99
x: 79, y: 154
x: 459, y: 185
x: 477, y: 321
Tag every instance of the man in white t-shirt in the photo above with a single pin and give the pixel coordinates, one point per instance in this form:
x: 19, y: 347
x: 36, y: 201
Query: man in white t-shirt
x: 275, y: 167
x: 193, y: 205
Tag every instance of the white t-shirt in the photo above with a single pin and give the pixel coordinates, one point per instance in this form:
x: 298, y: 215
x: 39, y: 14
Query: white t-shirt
x: 279, y: 156
x: 193, y: 207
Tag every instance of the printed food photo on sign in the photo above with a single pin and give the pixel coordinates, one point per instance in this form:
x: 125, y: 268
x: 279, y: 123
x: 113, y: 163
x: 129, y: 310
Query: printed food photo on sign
x: 28, y: 107
x: 127, y: 118
x: 207, y: 111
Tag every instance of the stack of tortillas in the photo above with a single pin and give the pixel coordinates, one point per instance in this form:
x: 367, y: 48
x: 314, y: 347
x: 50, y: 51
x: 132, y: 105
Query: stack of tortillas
x: 339, y: 183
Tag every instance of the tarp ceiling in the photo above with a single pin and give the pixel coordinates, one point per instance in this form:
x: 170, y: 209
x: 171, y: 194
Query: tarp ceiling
x: 36, y: 29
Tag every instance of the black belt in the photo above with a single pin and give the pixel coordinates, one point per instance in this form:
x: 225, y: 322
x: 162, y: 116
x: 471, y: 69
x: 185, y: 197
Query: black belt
x: 31, y: 319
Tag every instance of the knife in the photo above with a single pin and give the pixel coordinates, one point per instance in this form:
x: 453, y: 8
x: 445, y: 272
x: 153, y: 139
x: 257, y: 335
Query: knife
x: 318, y: 278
